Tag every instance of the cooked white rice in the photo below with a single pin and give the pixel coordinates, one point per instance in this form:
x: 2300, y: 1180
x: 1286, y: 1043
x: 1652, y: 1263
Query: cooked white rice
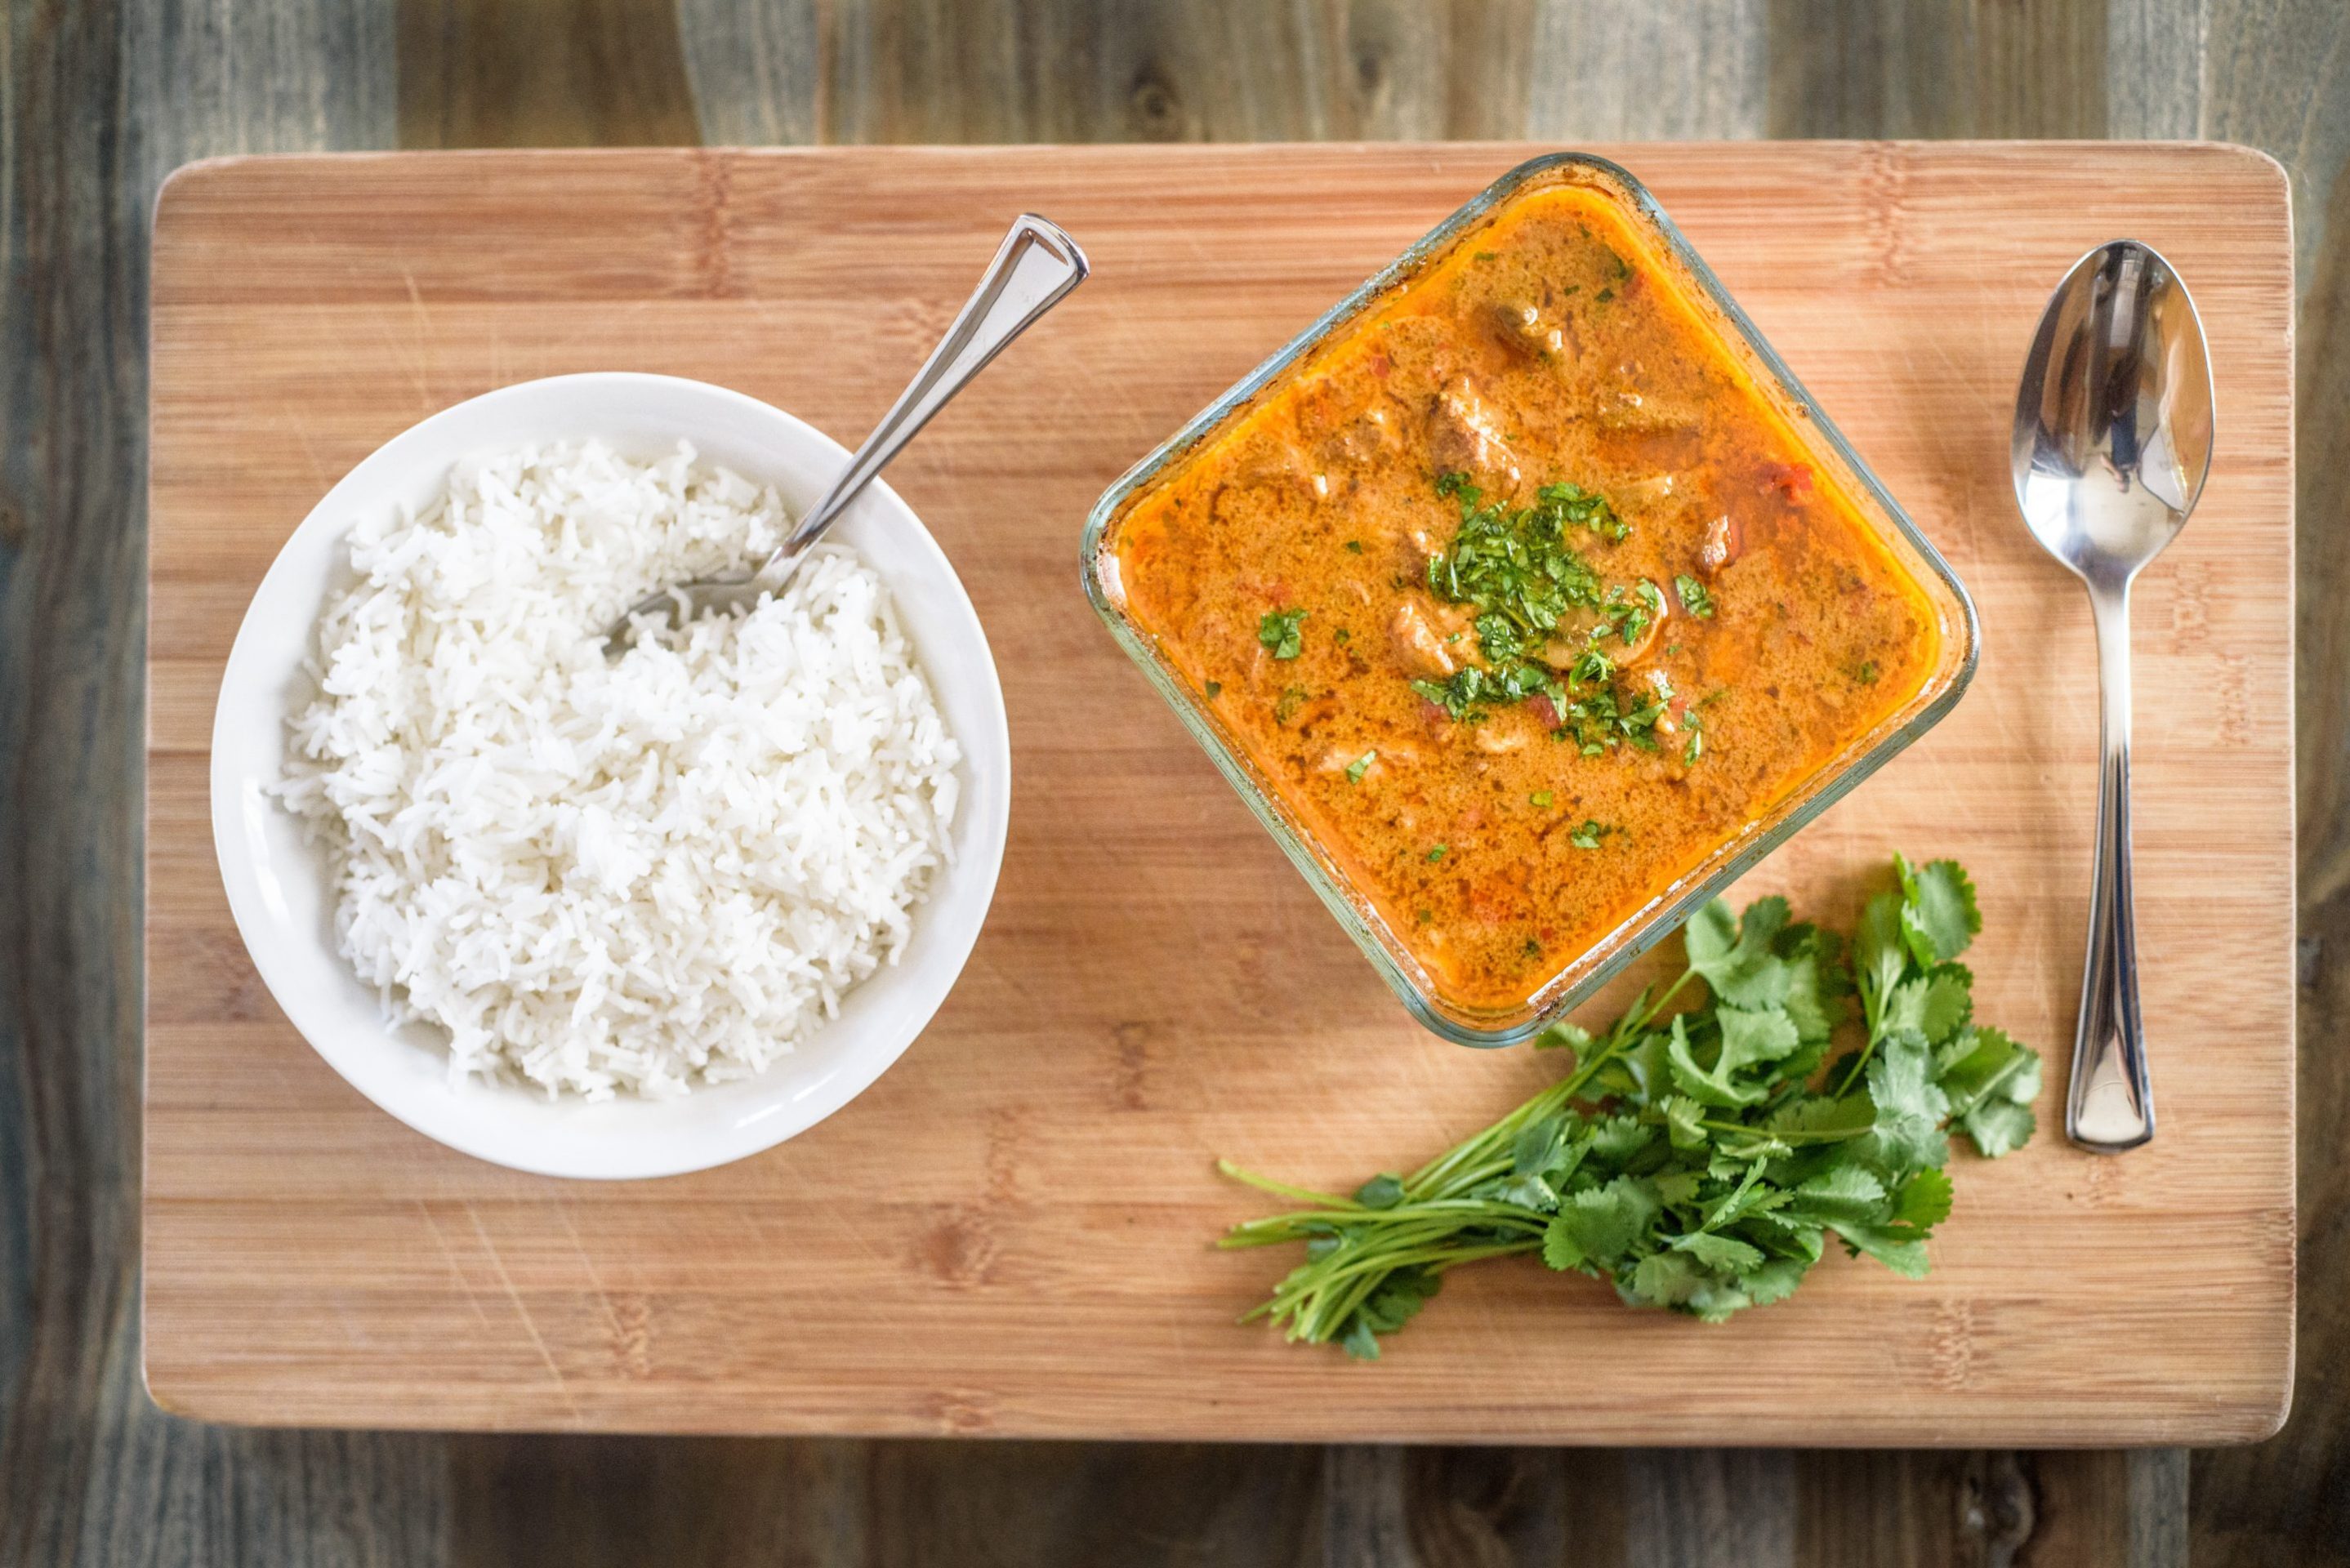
x: 631, y: 877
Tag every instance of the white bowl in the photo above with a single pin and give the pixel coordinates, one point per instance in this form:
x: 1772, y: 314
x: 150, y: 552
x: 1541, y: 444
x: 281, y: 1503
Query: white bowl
x: 278, y: 881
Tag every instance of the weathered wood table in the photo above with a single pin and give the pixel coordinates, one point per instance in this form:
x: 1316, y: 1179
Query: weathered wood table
x: 102, y: 99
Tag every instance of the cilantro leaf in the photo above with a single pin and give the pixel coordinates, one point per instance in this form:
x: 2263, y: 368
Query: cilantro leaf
x: 1908, y: 1131
x: 1880, y: 952
x: 1560, y: 1249
x: 1562, y: 1035
x: 1843, y: 1194
x: 1605, y: 1221
x: 1615, y: 1140
x: 1939, y: 917
x: 1924, y: 1199
x: 1539, y: 1146
x: 1280, y: 632
x: 1748, y: 1038
x: 1380, y: 1192
x: 1947, y: 1004
x: 1661, y: 1279
x: 1892, y: 1246
x: 1685, y: 1122
x: 1816, y: 981
x: 1395, y: 1302
x: 1775, y: 1281
x: 1717, y: 1252
x: 1992, y: 1082
x: 1744, y: 969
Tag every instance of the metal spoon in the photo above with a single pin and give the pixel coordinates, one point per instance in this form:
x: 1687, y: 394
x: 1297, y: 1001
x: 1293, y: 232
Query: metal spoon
x: 1034, y: 270
x: 2112, y: 442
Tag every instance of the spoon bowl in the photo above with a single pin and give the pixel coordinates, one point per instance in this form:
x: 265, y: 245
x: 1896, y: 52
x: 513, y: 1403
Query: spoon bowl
x: 2113, y: 415
x: 2111, y: 445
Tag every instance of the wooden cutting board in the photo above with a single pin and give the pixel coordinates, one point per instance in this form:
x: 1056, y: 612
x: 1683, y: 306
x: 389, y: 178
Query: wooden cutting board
x: 1009, y: 1233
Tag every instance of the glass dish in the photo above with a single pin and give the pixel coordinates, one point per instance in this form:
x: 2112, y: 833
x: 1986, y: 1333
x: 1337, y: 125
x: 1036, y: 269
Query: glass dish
x: 1667, y: 905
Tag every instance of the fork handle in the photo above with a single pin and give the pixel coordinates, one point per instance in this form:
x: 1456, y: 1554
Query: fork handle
x: 1036, y: 266
x: 2111, y: 1104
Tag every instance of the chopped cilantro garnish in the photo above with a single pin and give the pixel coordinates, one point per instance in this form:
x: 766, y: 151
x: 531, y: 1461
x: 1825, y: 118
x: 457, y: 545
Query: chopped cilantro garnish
x: 1437, y: 854
x: 1515, y: 560
x: 1359, y: 766
x: 1696, y: 597
x: 1605, y: 718
x: 1290, y: 702
x: 1533, y: 947
x: 1589, y: 836
x: 1515, y: 568
x: 1866, y: 673
x: 1631, y: 614
x: 1541, y: 797
x: 1604, y: 295
x: 1354, y: 546
x: 1216, y: 689
x: 1278, y: 631
x: 1473, y: 686
x: 1342, y: 635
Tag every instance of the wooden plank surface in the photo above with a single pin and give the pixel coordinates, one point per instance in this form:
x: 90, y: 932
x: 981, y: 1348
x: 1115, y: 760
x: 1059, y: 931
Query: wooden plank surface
x: 103, y: 97
x: 954, y: 1253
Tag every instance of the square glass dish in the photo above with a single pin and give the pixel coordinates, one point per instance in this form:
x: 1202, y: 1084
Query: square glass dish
x: 1494, y: 717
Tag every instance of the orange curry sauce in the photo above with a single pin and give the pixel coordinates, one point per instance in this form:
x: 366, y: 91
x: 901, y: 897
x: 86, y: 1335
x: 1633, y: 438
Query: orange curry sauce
x: 1750, y: 623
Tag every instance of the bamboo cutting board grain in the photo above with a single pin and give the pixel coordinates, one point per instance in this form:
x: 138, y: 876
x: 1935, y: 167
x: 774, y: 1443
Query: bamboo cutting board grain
x: 1009, y: 1233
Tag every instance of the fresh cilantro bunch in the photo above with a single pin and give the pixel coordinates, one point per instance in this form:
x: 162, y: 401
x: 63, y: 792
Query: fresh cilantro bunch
x: 1702, y: 1159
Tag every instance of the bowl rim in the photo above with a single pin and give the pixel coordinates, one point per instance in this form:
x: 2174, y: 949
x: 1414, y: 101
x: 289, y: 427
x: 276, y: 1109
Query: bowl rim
x: 604, y: 1150
x: 1665, y: 912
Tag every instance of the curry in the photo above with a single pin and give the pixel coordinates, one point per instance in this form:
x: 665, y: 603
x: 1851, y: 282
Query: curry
x: 1523, y: 597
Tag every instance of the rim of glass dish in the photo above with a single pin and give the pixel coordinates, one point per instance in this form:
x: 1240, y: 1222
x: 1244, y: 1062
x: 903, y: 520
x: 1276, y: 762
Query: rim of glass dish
x: 1653, y: 923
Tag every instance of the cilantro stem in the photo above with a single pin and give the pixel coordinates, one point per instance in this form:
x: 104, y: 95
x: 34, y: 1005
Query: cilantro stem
x: 1467, y: 1163
x: 1859, y: 1064
x: 1445, y: 1211
x: 1282, y: 1190
x: 1837, y: 1135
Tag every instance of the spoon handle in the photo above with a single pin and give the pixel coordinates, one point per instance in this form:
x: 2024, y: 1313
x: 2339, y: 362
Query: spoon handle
x: 2111, y: 1107
x: 1036, y: 266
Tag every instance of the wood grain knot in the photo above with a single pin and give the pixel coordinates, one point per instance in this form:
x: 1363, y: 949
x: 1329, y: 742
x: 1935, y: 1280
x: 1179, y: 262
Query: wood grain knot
x: 1884, y: 186
x: 1995, y: 1508
x: 1154, y: 109
x: 960, y: 1249
x: 1008, y: 1137
x: 715, y: 248
x: 960, y: 1410
x: 1950, y: 1345
x: 1129, y: 1073
x: 632, y: 1335
x: 2189, y: 587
